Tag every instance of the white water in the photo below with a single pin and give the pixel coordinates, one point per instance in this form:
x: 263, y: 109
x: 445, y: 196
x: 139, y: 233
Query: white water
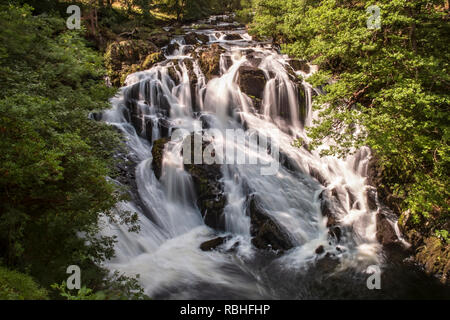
x: 166, y: 252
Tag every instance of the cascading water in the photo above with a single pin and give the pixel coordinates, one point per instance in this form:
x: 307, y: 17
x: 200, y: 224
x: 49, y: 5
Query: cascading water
x: 166, y: 253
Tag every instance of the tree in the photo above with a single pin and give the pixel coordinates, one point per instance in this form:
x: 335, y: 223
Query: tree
x: 392, y: 83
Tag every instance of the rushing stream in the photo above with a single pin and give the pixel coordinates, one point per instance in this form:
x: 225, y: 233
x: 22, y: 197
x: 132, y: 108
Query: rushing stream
x: 166, y: 253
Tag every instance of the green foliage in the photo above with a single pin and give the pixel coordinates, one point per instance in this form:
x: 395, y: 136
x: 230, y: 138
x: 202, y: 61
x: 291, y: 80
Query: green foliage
x: 392, y: 84
x: 120, y: 287
x: 53, y: 159
x: 19, y: 286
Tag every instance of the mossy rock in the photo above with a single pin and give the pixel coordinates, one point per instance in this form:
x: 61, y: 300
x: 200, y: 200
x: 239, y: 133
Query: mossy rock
x: 125, y: 57
x: 158, y: 154
x: 210, y: 61
x: 252, y: 82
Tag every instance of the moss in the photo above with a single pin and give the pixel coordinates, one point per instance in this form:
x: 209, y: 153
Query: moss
x: 125, y: 57
x: 152, y: 59
x: 19, y: 286
x: 158, y: 153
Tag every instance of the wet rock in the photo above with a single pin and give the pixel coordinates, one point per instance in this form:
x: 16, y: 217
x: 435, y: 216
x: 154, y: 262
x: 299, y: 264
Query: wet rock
x: 385, y: 231
x: 203, y: 38
x: 165, y: 127
x: 371, y: 194
x: 432, y: 253
x: 210, y: 61
x: 254, y: 59
x: 266, y: 233
x: 320, y: 250
x: 149, y: 129
x: 252, y: 82
x: 191, y: 39
x: 335, y: 232
x: 96, y: 116
x: 129, y: 56
x: 299, y: 65
x: 325, y: 207
x: 172, y: 47
x: 173, y: 73
x: 213, y: 244
x: 211, y: 199
x: 327, y: 264
x: 318, y: 176
x: 158, y: 154
x: 232, y: 37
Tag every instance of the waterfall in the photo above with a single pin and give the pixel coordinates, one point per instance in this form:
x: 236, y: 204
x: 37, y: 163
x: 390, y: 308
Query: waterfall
x: 166, y: 253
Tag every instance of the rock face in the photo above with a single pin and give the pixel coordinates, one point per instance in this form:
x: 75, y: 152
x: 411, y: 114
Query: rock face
x: 209, y: 59
x: 158, y: 153
x: 327, y: 211
x: 385, y: 231
x: 252, y: 82
x: 211, y: 199
x: 429, y: 251
x: 129, y: 56
x: 266, y: 233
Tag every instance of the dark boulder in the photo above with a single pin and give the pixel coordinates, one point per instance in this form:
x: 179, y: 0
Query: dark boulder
x: 232, y: 37
x: 191, y: 39
x: 371, y: 194
x: 209, y: 60
x: 158, y: 154
x: 211, y: 199
x: 252, y: 81
x: 213, y: 244
x: 266, y: 233
x: 171, y: 48
x: 320, y: 250
x: 386, y: 234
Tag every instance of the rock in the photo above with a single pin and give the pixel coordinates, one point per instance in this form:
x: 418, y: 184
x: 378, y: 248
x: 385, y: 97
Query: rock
x: 254, y: 59
x: 128, y: 56
x: 371, y: 195
x: 252, y: 81
x: 149, y: 129
x: 174, y: 75
x: 171, y: 48
x: 327, y: 264
x: 429, y: 251
x: 203, y: 38
x: 320, y: 250
x: 385, y: 231
x: 266, y: 233
x: 211, y: 199
x: 191, y: 39
x: 158, y: 154
x: 434, y: 255
x: 299, y: 65
x: 213, y: 244
x: 325, y: 207
x: 210, y: 61
x: 152, y: 59
x: 232, y: 37
x: 335, y: 232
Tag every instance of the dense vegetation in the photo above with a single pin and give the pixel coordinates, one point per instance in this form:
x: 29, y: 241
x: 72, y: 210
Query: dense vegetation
x: 53, y: 159
x: 387, y: 88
